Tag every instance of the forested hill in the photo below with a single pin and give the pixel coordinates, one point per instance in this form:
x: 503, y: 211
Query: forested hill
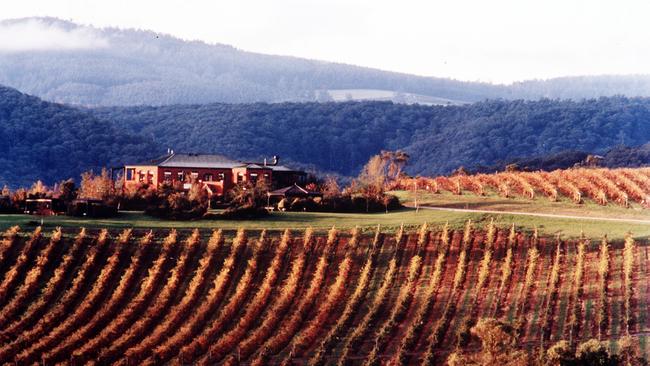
x: 48, y: 141
x: 108, y: 66
x: 341, y: 136
x: 42, y: 140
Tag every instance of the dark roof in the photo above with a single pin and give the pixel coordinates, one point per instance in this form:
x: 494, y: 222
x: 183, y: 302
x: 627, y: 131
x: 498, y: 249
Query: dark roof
x: 293, y: 190
x: 176, y: 160
x: 256, y: 166
x: 282, y: 168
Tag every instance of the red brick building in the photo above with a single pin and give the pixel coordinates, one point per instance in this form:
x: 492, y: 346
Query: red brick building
x: 217, y: 173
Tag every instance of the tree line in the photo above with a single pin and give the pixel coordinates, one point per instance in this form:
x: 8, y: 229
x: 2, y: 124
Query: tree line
x: 52, y: 142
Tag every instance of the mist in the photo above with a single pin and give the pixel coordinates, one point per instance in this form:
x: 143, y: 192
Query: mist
x: 37, y: 35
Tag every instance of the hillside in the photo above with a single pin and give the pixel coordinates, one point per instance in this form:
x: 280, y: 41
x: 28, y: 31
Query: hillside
x: 48, y: 141
x: 52, y: 142
x: 205, y: 298
x: 624, y: 187
x: 134, y: 67
x: 108, y: 66
x: 340, y: 137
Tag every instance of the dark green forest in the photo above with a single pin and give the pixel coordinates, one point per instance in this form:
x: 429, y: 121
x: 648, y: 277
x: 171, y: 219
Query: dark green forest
x: 340, y: 137
x: 42, y: 140
x: 48, y: 141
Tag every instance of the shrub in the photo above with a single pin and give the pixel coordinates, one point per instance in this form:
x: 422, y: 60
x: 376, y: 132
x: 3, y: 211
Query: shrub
x: 594, y: 352
x: 498, y: 346
x: 6, y: 206
x: 169, y: 204
x: 560, y: 354
x: 246, y: 212
x: 138, y: 198
x: 350, y: 203
x: 86, y: 208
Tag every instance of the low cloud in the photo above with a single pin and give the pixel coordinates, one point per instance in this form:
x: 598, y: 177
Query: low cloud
x: 37, y: 35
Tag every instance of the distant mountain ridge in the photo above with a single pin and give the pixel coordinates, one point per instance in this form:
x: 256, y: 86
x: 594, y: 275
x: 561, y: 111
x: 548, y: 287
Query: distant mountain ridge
x: 111, y: 67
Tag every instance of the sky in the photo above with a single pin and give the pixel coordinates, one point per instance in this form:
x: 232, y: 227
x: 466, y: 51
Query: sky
x: 498, y: 41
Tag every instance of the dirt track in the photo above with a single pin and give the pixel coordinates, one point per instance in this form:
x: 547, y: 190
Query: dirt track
x: 533, y: 214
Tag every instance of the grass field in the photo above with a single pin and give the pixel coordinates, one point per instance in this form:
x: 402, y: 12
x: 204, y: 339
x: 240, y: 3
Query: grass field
x: 517, y: 204
x: 322, y: 221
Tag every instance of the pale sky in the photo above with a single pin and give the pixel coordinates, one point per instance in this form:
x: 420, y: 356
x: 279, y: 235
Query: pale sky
x: 488, y: 40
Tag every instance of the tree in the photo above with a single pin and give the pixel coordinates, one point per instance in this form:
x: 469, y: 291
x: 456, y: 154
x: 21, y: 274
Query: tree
x: 371, y: 180
x: 18, y: 198
x: 38, y: 190
x: 514, y: 167
x: 167, y: 202
x: 395, y: 162
x: 459, y: 172
x: 248, y: 195
x: 198, y: 195
x: 399, y: 161
x: 331, y: 188
x: 98, y: 187
x: 66, y: 190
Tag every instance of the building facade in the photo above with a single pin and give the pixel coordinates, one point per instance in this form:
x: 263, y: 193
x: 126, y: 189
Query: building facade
x: 218, y: 174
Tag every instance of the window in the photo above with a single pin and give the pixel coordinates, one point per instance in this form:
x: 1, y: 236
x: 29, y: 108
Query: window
x: 194, y: 176
x: 207, y: 177
x: 180, y: 176
x: 141, y: 176
x: 240, y: 177
x: 253, y: 177
x: 130, y: 174
x: 221, y: 177
x: 168, y: 177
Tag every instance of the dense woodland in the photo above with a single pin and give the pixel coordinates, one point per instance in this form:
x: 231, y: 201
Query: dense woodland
x: 340, y: 137
x: 51, y: 142
x: 619, y: 156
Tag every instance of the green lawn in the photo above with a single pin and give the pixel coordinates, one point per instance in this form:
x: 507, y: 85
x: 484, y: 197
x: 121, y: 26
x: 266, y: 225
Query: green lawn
x: 539, y: 205
x: 323, y: 221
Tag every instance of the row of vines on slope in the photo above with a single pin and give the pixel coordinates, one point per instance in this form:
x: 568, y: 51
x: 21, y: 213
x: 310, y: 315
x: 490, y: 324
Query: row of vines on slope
x: 280, y: 298
x: 621, y: 186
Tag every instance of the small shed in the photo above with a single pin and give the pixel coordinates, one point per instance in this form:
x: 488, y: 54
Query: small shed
x: 288, y: 197
x: 44, y: 206
x: 294, y: 191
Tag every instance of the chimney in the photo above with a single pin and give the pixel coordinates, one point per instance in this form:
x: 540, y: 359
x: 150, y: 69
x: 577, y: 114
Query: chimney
x: 264, y: 161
